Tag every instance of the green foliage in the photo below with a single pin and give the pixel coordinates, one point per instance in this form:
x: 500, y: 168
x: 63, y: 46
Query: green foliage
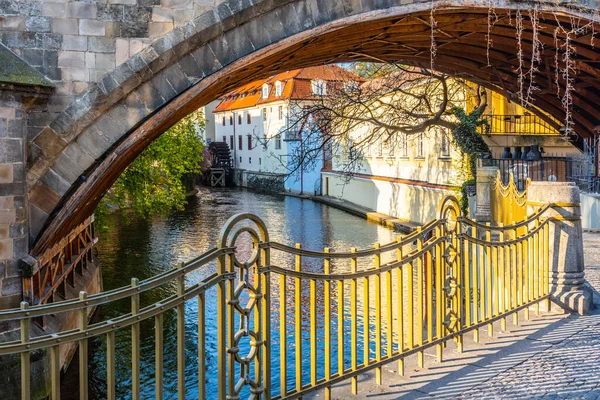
x: 155, y: 182
x: 467, y: 137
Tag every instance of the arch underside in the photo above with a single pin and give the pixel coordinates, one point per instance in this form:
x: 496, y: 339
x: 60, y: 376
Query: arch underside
x: 462, y: 49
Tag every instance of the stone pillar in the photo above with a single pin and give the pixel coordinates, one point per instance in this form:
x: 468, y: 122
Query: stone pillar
x: 485, y: 180
x: 565, y: 249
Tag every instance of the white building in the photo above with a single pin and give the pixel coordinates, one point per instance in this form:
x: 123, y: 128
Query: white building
x: 252, y: 121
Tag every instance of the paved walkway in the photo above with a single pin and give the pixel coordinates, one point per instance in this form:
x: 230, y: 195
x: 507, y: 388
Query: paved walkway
x: 552, y: 356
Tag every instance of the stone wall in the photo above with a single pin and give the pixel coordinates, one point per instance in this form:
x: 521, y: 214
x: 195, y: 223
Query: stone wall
x: 74, y: 43
x: 15, y: 102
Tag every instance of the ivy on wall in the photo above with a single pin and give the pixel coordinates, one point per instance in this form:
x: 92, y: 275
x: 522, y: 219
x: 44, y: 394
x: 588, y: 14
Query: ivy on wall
x: 467, y: 137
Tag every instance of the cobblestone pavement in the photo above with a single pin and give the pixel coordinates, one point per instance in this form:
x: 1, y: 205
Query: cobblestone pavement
x: 552, y: 356
x: 570, y: 368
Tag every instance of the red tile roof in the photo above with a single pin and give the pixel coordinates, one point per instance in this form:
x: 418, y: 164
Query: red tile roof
x: 297, y: 86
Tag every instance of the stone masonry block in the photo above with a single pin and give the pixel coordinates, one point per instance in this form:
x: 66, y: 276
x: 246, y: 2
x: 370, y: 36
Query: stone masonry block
x: 73, y: 42
x: 105, y: 61
x: 74, y: 59
x: 7, y: 112
x: 67, y: 26
x: 55, y: 10
x: 37, y: 218
x: 67, y: 168
x: 11, y: 150
x: 38, y: 24
x: 158, y: 29
x: 177, y: 78
x: 90, y: 60
x: 7, y: 202
x: 50, y: 142
x: 13, y: 23
x: 20, y: 247
x: 83, y: 159
x: 92, y: 27
x: 122, y: 51
x: 6, y: 173
x: 16, y: 128
x: 81, y: 10
x: 126, y: 2
x: 19, y: 172
x: 150, y: 96
x: 176, y: 3
x: 4, y: 231
x: 6, y: 252
x: 160, y: 14
x: 43, y: 197
x: 55, y: 182
x: 93, y: 142
x: 76, y: 74
x: 8, y: 216
x: 101, y: 45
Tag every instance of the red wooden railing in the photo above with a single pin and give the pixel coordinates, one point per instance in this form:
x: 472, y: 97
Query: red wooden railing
x: 60, y: 265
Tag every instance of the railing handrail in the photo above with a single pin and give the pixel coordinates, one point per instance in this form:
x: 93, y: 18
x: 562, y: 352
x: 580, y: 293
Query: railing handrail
x: 403, y: 241
x: 415, y: 254
x: 516, y: 123
x: 527, y: 221
x: 123, y: 321
x: 115, y: 294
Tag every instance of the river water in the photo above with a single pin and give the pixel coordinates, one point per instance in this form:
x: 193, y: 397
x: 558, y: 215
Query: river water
x: 143, y: 249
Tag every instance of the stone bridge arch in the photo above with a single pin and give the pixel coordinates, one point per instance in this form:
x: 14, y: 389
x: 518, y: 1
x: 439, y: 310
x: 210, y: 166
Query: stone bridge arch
x: 81, y: 153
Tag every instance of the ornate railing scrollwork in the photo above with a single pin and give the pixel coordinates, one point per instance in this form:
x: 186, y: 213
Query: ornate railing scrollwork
x: 250, y: 285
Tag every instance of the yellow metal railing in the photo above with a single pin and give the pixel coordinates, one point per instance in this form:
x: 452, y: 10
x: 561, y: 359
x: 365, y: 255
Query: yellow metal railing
x: 334, y: 315
x: 507, y: 203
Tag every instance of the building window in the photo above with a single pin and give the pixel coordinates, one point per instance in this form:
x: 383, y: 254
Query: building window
x: 248, y: 118
x: 240, y: 142
x: 239, y: 118
x: 265, y: 91
x: 249, y: 142
x: 240, y: 159
x: 259, y: 161
x: 403, y: 145
x: 390, y: 144
x: 223, y: 120
x: 420, y: 148
x: 224, y: 139
x: 231, y: 119
x: 249, y: 160
x: 280, y: 113
x: 264, y: 114
x: 444, y: 144
x: 231, y: 142
x: 318, y: 87
x: 379, y: 148
x: 369, y: 148
x: 278, y: 89
x: 278, y: 142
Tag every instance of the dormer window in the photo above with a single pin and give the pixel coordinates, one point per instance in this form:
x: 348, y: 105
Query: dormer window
x: 265, y: 91
x: 278, y: 89
x: 318, y: 87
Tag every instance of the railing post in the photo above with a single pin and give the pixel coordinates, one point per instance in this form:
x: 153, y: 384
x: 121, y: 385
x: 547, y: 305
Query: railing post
x: 25, y: 359
x: 565, y: 244
x: 485, y: 180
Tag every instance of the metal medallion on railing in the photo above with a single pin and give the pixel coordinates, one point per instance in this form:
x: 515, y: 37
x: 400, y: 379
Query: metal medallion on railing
x: 450, y: 212
x: 250, y: 291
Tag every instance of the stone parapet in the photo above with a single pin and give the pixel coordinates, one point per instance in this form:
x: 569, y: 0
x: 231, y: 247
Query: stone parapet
x: 485, y: 180
x: 565, y: 247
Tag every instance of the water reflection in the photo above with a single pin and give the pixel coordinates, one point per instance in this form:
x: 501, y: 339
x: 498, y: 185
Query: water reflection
x: 143, y: 249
